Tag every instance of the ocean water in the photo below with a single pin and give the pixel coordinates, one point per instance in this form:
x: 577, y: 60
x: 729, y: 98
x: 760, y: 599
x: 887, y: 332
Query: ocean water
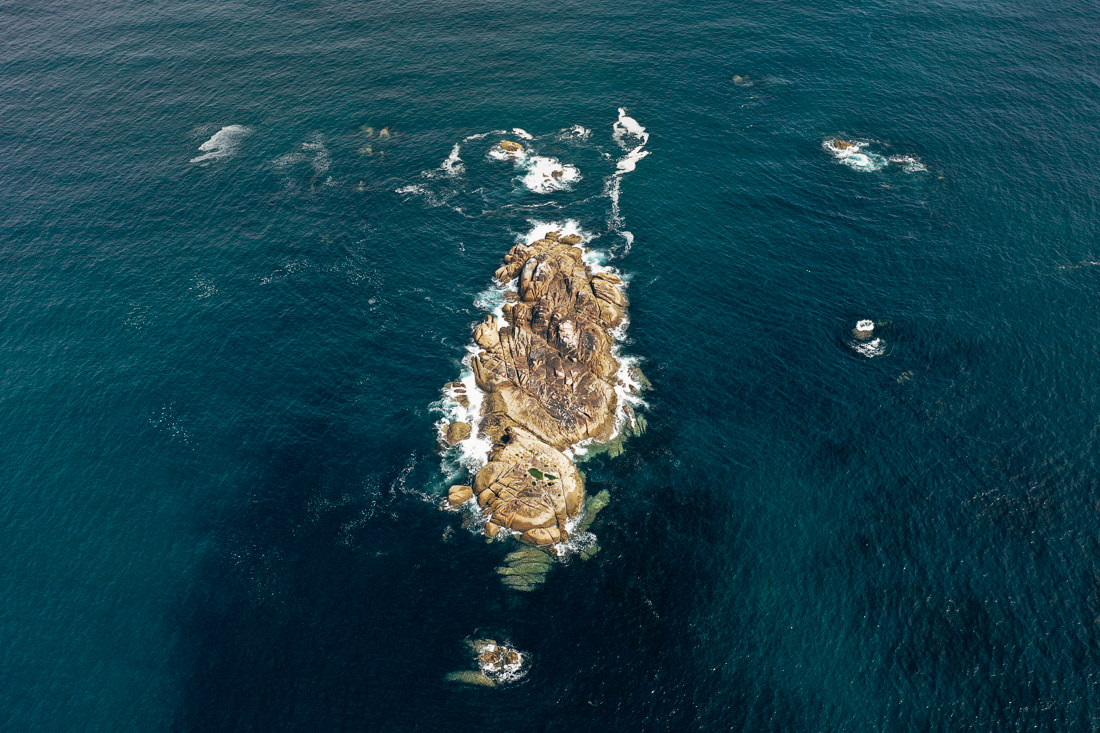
x: 242, y: 254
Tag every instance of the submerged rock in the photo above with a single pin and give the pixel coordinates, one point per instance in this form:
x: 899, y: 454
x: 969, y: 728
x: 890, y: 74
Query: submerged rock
x: 471, y: 677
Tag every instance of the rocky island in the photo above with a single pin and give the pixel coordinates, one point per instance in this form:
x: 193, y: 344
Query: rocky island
x: 549, y: 379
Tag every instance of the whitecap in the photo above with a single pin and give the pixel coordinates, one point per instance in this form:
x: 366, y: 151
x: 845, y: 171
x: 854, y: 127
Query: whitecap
x: 453, y: 165
x: 576, y: 132
x: 631, y: 137
x: 628, y: 162
x: 909, y: 163
x: 545, y: 174
x: 222, y: 143
x: 627, y: 126
x: 521, y: 133
x: 539, y: 230
x: 850, y: 154
x: 870, y: 349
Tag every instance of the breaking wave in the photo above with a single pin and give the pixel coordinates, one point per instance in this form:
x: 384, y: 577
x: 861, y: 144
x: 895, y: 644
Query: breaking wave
x: 222, y: 143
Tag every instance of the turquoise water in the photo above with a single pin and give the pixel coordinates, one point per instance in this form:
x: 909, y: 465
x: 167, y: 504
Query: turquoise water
x: 221, y: 475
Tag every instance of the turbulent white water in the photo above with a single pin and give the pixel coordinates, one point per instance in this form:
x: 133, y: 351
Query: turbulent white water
x: 632, y: 138
x: 858, y: 155
x: 222, y: 143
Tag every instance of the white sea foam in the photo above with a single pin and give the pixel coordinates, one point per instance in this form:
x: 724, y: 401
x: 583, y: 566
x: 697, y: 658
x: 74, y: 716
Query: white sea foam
x: 870, y: 349
x: 501, y: 672
x: 539, y: 230
x: 630, y: 161
x: 471, y: 454
x: 545, y: 174
x: 321, y: 160
x: 521, y: 133
x: 576, y: 132
x: 541, y: 173
x: 856, y: 155
x: 453, y: 165
x: 482, y: 135
x: 627, y: 126
x: 852, y: 156
x: 632, y: 138
x: 909, y: 163
x: 222, y: 143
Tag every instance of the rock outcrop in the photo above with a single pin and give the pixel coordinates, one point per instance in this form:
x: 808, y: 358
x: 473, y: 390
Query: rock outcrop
x: 497, y: 663
x: 549, y: 377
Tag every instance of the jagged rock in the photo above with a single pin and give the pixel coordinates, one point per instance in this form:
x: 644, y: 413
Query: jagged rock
x: 459, y: 495
x: 457, y: 432
x: 841, y: 144
x: 509, y: 146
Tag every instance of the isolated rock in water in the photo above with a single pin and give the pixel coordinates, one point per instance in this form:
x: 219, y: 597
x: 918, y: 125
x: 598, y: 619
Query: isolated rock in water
x: 842, y: 144
x: 459, y: 495
x: 510, y: 147
x: 864, y: 329
x: 457, y: 432
x: 496, y: 664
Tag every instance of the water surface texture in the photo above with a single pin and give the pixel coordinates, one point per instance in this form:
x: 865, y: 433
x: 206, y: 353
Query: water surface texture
x: 241, y: 255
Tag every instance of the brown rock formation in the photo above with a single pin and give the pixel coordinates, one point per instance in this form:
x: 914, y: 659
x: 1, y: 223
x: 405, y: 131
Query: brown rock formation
x: 510, y: 147
x: 457, y: 432
x: 459, y: 495
x: 549, y: 381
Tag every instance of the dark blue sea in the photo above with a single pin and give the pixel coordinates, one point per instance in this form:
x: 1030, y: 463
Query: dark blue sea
x: 241, y: 254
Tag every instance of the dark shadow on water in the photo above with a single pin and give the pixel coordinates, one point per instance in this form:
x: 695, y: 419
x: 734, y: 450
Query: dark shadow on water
x: 337, y: 603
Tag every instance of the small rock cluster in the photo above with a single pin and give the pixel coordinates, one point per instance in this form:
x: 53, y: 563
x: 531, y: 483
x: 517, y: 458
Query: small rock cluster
x: 497, y: 663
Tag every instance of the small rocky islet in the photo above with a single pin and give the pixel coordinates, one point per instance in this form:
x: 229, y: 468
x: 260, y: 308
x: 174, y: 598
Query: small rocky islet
x: 549, y: 376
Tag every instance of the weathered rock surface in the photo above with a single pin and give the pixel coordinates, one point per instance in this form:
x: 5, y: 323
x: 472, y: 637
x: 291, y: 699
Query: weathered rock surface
x: 497, y: 663
x: 549, y: 379
x: 510, y: 147
x: 459, y: 495
x: 457, y: 432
